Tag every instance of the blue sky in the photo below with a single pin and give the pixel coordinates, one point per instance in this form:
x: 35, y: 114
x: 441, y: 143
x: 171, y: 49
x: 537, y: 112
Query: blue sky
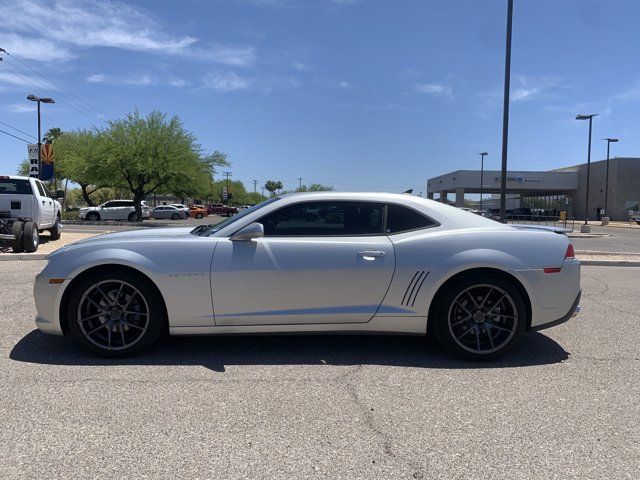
x: 359, y: 94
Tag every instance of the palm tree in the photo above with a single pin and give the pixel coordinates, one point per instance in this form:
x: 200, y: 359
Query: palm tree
x: 52, y: 135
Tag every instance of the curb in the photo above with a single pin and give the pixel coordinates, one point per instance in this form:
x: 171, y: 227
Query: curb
x: 118, y: 224
x: 609, y: 254
x: 588, y: 235
x: 23, y: 256
x: 609, y: 263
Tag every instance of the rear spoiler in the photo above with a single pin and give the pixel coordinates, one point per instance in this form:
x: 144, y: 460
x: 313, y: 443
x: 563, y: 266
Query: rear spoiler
x: 541, y: 227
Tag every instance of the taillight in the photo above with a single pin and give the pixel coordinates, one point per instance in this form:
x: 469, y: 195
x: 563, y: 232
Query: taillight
x: 570, y: 253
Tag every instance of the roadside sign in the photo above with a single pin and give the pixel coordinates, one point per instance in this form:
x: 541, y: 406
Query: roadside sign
x: 34, y: 168
x: 225, y: 193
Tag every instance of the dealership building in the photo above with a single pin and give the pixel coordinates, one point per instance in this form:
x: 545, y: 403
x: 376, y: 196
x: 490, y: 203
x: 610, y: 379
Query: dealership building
x: 563, y: 189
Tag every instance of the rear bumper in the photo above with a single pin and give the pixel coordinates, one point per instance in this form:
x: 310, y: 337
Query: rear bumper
x: 573, y: 311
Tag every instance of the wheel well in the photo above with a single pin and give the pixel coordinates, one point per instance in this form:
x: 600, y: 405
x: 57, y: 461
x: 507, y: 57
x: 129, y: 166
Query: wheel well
x: 111, y: 268
x: 479, y: 271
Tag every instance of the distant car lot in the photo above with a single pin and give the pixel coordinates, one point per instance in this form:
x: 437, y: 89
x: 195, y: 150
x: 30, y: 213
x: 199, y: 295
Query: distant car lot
x: 564, y: 406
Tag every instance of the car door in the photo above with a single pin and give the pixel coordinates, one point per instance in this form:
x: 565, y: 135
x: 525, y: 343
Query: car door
x: 46, y: 207
x: 107, y: 211
x: 319, y: 262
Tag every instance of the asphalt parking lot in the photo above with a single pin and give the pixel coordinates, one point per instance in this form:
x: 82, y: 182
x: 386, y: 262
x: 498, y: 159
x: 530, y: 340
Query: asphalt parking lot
x: 564, y: 405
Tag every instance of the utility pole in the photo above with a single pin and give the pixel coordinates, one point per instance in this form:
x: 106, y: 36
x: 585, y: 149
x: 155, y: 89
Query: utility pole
x: 300, y: 186
x: 482, y: 155
x: 226, y: 176
x: 255, y: 186
x: 505, y: 112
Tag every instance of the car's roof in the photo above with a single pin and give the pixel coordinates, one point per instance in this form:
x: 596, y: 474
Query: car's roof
x: 15, y: 177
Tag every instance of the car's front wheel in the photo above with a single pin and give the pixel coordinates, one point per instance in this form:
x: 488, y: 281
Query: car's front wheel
x: 115, y: 313
x: 480, y: 317
x: 199, y: 216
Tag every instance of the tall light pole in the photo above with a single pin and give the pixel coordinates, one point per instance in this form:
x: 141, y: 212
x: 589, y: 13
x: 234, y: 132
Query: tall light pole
x: 255, y: 186
x: 482, y: 154
x: 505, y: 112
x: 585, y: 228
x: 606, y: 182
x: 39, y: 100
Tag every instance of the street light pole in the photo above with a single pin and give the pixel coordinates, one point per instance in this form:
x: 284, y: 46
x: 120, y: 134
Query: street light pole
x: 39, y: 100
x: 505, y: 112
x: 585, y: 228
x: 482, y: 154
x: 606, y: 188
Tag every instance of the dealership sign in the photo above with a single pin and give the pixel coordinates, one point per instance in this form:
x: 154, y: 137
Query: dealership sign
x: 34, y: 168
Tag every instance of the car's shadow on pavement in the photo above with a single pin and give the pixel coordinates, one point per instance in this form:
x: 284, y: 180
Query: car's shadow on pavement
x: 216, y: 353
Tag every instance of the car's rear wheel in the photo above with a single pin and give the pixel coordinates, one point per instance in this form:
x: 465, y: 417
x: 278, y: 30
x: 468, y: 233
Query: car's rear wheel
x: 199, y: 216
x: 30, y: 237
x: 17, y: 229
x: 175, y: 216
x: 93, y: 216
x: 480, y: 317
x: 115, y: 313
x: 132, y: 217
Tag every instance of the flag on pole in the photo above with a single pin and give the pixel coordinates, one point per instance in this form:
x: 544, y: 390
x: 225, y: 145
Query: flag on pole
x: 46, y: 158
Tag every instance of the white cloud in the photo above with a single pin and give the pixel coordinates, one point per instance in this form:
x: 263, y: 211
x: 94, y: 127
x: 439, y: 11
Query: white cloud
x: 178, y: 82
x: 136, y: 80
x: 434, y: 89
x: 226, y: 81
x: 38, y: 30
x: 13, y: 80
x: 299, y: 66
x: 528, y: 87
x: 632, y: 93
x: 34, y: 48
x: 343, y: 85
x: 21, y: 107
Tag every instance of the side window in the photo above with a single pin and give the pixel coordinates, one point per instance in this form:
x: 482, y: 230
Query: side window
x: 403, y: 219
x: 47, y: 193
x: 325, y: 219
x: 109, y: 205
x: 40, y: 189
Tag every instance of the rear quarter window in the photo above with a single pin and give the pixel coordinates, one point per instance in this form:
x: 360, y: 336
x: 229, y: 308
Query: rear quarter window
x: 403, y: 219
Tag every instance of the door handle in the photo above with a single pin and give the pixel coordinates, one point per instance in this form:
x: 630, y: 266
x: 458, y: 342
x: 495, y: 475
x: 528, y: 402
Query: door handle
x: 43, y: 202
x: 371, y: 254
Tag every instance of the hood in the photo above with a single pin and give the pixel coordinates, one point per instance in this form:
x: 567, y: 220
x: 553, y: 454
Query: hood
x: 136, y: 234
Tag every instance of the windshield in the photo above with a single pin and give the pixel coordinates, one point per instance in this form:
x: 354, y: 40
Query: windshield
x: 209, y: 229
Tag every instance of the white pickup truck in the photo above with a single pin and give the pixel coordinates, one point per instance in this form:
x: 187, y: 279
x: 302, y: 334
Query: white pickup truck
x: 26, y: 209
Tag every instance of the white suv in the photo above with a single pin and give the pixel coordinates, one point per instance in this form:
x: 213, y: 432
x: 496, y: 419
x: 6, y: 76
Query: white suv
x: 113, y: 210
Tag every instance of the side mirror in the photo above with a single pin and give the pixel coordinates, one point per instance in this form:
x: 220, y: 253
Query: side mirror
x: 59, y: 193
x: 248, y: 233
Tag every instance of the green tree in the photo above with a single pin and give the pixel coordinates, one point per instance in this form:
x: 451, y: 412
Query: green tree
x: 52, y: 135
x: 272, y: 186
x: 315, y: 187
x: 152, y: 154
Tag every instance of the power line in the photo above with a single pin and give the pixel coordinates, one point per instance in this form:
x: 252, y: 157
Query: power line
x: 17, y: 59
x: 47, y: 84
x: 12, y: 135
x: 17, y: 130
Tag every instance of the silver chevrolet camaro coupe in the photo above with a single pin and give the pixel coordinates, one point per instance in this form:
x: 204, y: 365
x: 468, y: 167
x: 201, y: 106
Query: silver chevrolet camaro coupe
x: 315, y: 263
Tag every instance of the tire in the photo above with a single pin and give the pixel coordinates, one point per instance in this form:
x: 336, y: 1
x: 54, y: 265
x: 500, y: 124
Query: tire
x: 132, y: 217
x: 199, y: 216
x: 30, y: 237
x: 480, y: 317
x: 17, y: 229
x: 56, y: 231
x: 93, y: 217
x: 175, y: 216
x: 109, y: 331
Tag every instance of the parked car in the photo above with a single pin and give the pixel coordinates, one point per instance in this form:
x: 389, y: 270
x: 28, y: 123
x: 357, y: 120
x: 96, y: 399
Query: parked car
x: 221, y: 209
x: 198, y: 211
x: 168, y: 211
x: 182, y: 207
x: 395, y: 264
x: 519, y: 214
x: 635, y: 217
x: 113, y: 210
x: 26, y: 209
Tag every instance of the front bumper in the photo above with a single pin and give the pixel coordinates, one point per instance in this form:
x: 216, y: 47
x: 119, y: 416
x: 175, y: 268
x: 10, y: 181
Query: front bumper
x: 47, y: 297
x: 573, y: 311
